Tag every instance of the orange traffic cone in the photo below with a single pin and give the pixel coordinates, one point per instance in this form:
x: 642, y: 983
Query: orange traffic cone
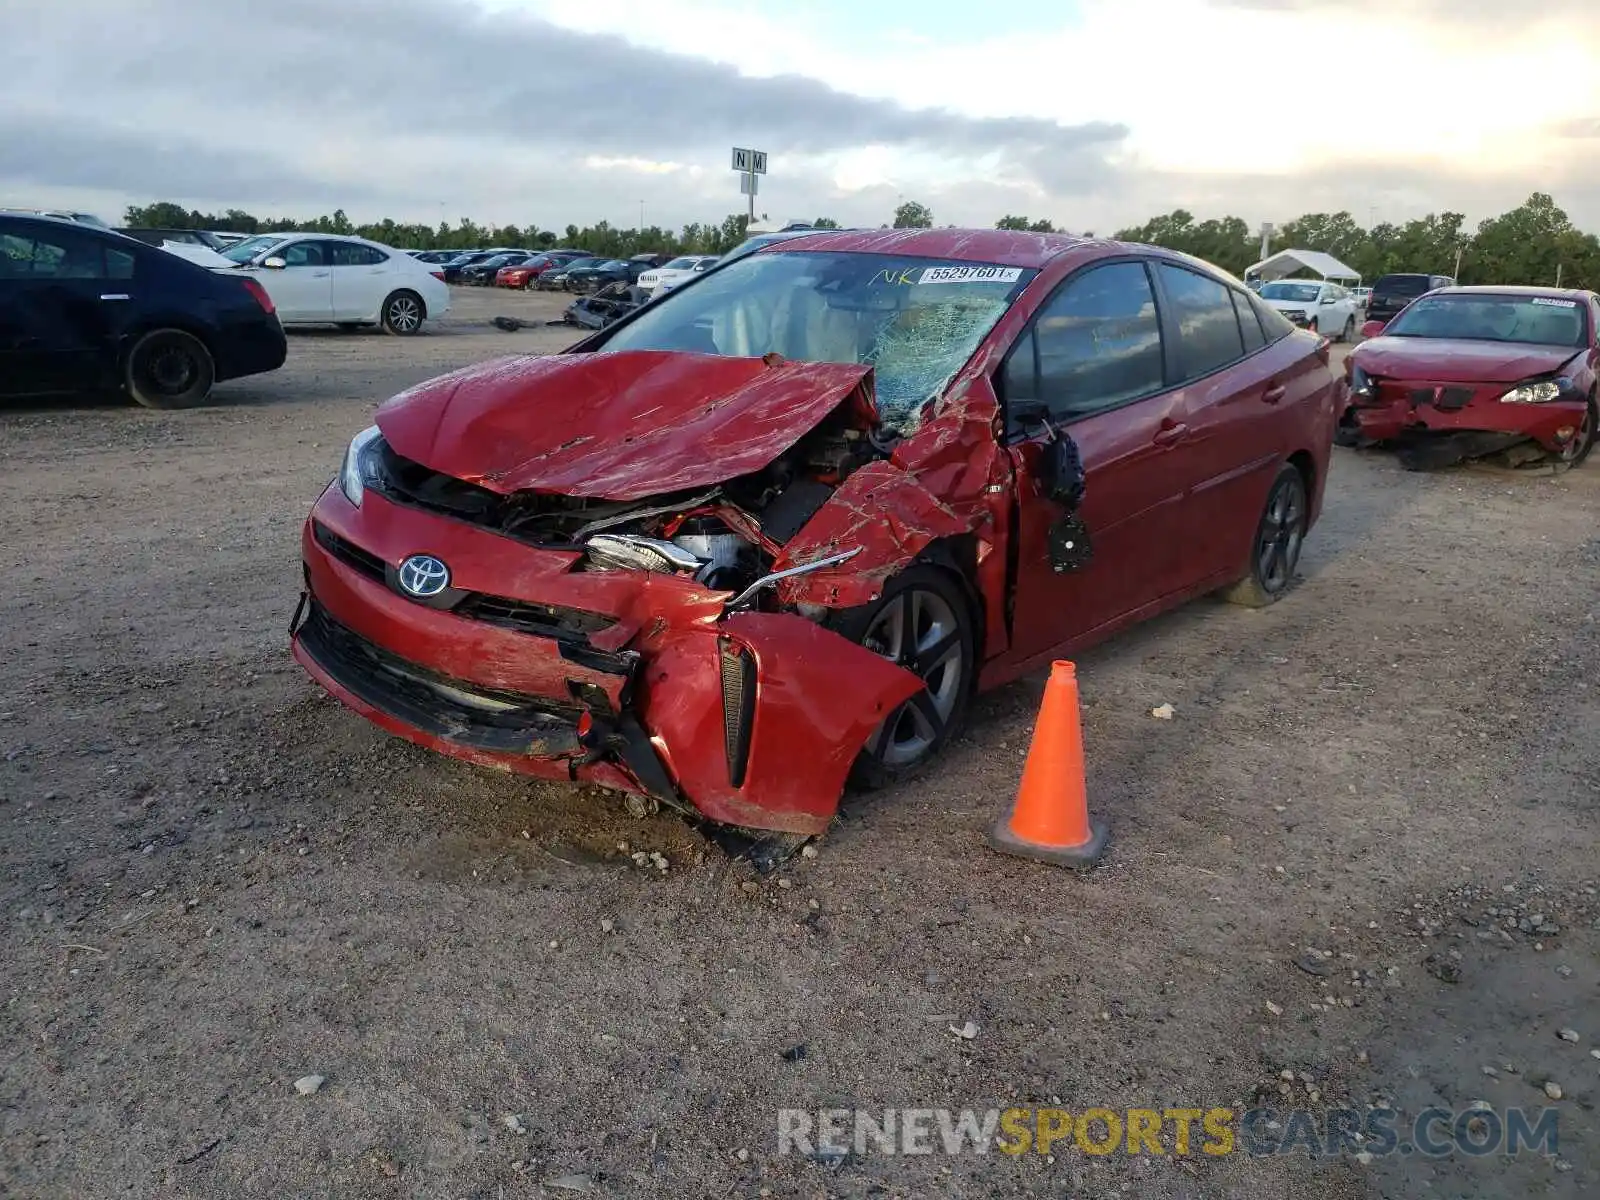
x: 1050, y: 820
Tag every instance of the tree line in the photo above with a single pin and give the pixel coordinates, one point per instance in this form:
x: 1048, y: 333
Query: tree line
x: 1534, y: 243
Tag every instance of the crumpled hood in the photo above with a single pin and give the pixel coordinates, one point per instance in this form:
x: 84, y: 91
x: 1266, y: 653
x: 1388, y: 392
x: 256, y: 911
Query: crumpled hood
x: 619, y: 426
x: 1444, y: 360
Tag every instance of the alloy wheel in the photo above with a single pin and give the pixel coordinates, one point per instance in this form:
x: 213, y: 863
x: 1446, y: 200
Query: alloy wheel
x: 405, y: 314
x: 919, y: 631
x: 1281, y: 535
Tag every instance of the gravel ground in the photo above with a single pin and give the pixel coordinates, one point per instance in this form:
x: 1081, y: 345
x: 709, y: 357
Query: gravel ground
x: 214, y: 881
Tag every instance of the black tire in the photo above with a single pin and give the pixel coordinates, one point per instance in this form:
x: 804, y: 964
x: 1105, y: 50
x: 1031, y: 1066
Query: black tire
x: 1349, y: 332
x: 1275, y: 548
x: 1583, y: 442
x: 403, y: 313
x: 168, y: 368
x: 925, y: 598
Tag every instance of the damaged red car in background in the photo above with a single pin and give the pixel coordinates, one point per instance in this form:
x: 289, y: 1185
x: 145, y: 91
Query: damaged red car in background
x: 774, y: 530
x: 1465, y: 372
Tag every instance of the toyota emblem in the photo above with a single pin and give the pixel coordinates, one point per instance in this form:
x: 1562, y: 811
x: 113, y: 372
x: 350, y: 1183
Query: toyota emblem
x: 423, y: 575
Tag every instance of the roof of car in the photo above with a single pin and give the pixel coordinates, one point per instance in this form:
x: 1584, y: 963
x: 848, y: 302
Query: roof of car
x: 1007, y: 247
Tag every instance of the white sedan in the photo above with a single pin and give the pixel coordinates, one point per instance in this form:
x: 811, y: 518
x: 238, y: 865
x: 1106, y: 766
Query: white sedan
x: 661, y: 280
x: 1313, y: 304
x: 327, y: 279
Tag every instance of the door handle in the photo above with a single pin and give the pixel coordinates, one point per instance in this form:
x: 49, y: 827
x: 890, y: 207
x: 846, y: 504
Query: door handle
x: 1275, y: 393
x: 1170, y: 434
x: 116, y: 296
x: 319, y: 274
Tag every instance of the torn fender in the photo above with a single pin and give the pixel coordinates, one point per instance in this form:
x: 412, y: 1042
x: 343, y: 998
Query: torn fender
x: 779, y: 760
x: 885, y: 511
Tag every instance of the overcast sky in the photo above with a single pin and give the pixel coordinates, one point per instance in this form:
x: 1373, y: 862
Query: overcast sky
x: 1094, y: 113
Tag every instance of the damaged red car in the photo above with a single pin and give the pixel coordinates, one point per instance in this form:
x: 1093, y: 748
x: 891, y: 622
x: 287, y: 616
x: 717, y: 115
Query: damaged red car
x: 772, y: 531
x: 1465, y: 372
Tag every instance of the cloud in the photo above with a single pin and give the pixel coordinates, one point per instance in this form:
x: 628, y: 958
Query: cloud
x: 436, y: 109
x: 449, y: 70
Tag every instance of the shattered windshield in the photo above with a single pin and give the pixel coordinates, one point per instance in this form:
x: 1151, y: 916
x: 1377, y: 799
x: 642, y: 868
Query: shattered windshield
x: 1544, y: 320
x: 915, y: 320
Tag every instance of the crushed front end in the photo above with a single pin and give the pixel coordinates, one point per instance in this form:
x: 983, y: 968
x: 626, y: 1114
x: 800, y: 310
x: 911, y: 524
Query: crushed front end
x: 635, y: 640
x: 1436, y: 423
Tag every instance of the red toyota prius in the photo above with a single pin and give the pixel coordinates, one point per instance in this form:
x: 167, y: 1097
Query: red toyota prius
x: 773, y: 530
x: 1468, y: 371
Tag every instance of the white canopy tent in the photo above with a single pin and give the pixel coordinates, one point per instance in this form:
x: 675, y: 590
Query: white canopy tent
x: 1287, y: 262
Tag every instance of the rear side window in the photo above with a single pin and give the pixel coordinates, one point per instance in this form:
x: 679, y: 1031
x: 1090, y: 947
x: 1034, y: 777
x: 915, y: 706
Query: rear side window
x: 352, y: 254
x: 1208, y: 327
x: 1403, y: 285
x: 61, y: 255
x: 1094, y: 345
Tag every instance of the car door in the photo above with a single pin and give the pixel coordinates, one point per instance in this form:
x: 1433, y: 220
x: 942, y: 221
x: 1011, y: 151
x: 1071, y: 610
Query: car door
x: 302, y: 289
x: 1233, y: 401
x: 66, y: 296
x: 1093, y: 360
x: 361, y: 276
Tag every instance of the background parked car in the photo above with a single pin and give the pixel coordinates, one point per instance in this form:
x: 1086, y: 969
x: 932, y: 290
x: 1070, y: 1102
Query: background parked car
x: 83, y: 310
x: 1391, y: 293
x: 556, y: 278
x: 523, y: 274
x: 1469, y: 371
x: 323, y: 279
x: 609, y: 271
x: 482, y: 274
x: 1317, y: 305
x: 661, y: 280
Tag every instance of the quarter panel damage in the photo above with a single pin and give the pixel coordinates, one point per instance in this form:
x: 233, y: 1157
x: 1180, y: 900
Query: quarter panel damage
x: 938, y: 486
x: 803, y: 739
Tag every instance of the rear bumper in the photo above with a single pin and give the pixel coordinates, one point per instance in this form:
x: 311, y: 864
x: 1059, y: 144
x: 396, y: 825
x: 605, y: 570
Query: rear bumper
x: 250, y: 348
x: 631, y: 681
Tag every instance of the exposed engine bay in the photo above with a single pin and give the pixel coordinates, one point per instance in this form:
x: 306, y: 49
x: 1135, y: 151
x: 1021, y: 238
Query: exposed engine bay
x: 726, y: 537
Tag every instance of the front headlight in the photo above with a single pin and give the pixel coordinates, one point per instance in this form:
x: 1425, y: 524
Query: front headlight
x: 360, y: 464
x: 1541, y: 392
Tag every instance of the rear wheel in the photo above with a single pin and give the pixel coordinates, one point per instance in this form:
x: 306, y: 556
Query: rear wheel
x: 402, y: 314
x: 1349, y: 331
x: 922, y: 622
x: 1275, y: 552
x: 168, y: 368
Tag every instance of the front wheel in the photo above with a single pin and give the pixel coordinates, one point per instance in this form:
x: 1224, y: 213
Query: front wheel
x: 1275, y: 550
x: 1349, y: 331
x: 402, y: 314
x: 1575, y: 451
x: 168, y: 368
x: 922, y: 622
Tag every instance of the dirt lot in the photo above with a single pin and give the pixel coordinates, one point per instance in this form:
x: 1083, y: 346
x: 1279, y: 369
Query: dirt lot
x: 214, y: 881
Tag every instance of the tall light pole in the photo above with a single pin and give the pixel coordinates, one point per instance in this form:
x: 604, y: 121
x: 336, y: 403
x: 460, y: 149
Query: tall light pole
x: 641, y: 216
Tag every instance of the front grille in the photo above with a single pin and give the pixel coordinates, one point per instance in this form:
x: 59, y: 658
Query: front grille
x: 347, y: 552
x: 548, y: 620
x: 539, y: 520
x: 452, y: 709
x: 738, y: 706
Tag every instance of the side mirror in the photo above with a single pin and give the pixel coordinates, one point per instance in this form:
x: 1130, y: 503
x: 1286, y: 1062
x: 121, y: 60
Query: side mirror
x: 274, y: 263
x: 1372, y: 329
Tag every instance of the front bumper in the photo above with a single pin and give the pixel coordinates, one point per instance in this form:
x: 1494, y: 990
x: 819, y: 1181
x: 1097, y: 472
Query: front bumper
x: 629, y: 680
x: 1472, y: 414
